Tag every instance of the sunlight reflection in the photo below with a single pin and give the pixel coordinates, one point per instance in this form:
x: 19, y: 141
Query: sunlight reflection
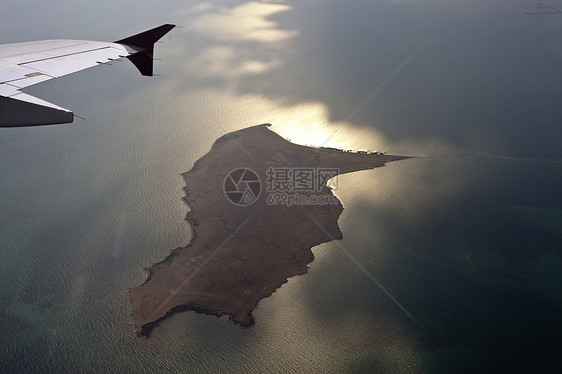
x: 221, y: 61
x: 228, y: 44
x: 305, y: 123
x: 246, y: 22
x: 309, y: 124
x: 406, y: 190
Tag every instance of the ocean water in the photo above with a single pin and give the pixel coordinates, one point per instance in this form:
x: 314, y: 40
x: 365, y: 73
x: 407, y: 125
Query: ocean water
x: 466, y: 238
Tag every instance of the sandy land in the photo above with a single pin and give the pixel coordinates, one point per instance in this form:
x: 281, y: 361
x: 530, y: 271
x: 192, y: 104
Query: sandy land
x: 242, y: 254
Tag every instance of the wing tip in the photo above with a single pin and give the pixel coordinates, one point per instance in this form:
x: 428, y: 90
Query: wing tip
x: 23, y: 113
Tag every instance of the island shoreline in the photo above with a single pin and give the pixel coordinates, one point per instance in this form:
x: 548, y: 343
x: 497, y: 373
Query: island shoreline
x: 239, y: 255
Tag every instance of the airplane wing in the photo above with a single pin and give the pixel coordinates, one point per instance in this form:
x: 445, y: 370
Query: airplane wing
x: 26, y: 64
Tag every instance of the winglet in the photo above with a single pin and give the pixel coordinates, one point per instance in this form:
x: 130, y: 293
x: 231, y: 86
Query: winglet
x: 143, y: 45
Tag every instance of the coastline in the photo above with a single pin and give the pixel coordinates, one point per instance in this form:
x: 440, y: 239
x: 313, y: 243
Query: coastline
x: 239, y: 255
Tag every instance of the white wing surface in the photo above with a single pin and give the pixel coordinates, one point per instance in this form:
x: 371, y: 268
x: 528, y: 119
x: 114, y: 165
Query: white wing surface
x: 26, y: 64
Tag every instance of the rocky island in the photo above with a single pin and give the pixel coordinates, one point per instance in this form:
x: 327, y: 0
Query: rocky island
x: 258, y: 204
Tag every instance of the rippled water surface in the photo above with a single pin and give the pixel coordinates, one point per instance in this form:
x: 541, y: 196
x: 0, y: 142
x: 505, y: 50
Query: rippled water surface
x: 466, y: 238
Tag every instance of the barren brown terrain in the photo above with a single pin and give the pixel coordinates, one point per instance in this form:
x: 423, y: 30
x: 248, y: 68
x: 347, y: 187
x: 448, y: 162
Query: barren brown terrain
x: 242, y: 254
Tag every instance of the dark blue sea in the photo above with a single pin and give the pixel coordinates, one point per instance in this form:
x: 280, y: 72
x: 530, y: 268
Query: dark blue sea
x: 450, y: 262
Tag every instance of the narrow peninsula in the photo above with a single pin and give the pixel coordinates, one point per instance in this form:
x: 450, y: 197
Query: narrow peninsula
x: 258, y: 204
